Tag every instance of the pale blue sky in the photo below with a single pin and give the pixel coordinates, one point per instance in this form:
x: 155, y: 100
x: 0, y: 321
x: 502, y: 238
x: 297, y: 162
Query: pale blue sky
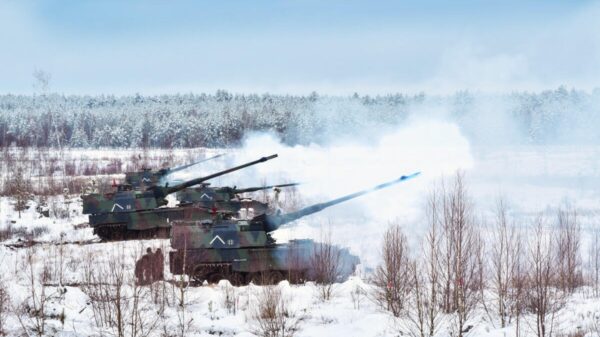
x: 336, y: 47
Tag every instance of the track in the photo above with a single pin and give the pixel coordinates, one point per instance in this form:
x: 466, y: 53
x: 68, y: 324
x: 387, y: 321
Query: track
x: 119, y: 232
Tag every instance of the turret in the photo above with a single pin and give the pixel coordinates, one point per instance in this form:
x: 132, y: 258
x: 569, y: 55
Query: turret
x: 154, y: 196
x: 148, y: 177
x: 274, y: 221
x: 206, y: 195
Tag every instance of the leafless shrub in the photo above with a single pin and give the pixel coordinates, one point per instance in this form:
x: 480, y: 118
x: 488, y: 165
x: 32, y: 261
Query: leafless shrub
x: 31, y: 313
x: 90, y: 169
x: 393, y: 278
x: 118, y: 303
x: 40, y: 230
x: 4, y: 305
x: 593, y: 326
x: 57, y: 261
x: 70, y: 168
x: 10, y: 232
x: 272, y: 316
x: 21, y: 191
x: 115, y: 166
x: 357, y: 294
x: 326, y: 262
x: 577, y: 333
x: 21, y: 232
x: 230, y: 298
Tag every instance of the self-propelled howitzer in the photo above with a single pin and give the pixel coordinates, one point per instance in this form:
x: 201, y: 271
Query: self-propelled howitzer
x: 244, y: 251
x: 226, y: 198
x: 126, y: 199
x: 147, y: 177
x: 130, y: 214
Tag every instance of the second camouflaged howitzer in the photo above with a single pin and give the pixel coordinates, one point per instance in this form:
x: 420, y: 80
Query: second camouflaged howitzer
x: 148, y: 177
x: 127, y: 213
x: 225, y: 198
x: 244, y: 251
x: 126, y: 200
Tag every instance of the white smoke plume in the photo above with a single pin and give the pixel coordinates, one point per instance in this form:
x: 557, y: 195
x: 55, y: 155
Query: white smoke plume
x: 432, y: 147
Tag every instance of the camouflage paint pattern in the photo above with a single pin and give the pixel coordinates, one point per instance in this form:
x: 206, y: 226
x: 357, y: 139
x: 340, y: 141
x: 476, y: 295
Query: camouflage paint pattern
x: 141, y: 180
x: 207, y: 194
x: 225, y: 247
x: 126, y: 199
x: 128, y: 209
x: 293, y: 256
x: 143, y: 220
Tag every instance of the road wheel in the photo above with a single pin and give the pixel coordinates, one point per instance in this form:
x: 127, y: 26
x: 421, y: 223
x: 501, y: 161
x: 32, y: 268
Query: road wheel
x: 214, y: 278
x: 236, y: 279
x: 275, y: 276
x: 256, y: 278
x: 296, y: 276
x: 200, y: 274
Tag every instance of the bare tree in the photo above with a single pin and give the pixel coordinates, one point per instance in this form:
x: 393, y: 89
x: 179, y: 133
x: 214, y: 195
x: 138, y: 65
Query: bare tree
x: 504, y: 263
x: 428, y: 287
x: 594, y: 262
x: 461, y: 257
x: 518, y: 282
x: 394, y: 277
x: 569, y: 246
x: 543, y: 299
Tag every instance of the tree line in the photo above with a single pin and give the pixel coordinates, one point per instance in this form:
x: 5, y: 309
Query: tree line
x: 224, y: 119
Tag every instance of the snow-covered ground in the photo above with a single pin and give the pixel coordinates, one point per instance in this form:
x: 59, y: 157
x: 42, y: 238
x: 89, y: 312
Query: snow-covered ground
x: 532, y: 178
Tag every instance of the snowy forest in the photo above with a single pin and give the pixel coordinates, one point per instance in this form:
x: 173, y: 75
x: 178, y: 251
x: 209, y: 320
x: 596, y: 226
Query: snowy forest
x: 223, y: 119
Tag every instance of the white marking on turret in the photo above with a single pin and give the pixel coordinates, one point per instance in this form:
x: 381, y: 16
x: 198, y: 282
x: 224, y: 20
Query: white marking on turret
x: 116, y: 205
x: 216, y: 237
x: 206, y: 195
x: 147, y: 180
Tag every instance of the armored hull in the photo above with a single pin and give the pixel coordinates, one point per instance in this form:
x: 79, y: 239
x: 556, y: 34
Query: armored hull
x: 145, y: 224
x: 269, y: 264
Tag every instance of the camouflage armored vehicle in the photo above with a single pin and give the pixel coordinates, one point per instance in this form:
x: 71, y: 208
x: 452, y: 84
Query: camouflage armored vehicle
x: 132, y: 214
x: 146, y: 178
x: 243, y: 250
x: 226, y: 198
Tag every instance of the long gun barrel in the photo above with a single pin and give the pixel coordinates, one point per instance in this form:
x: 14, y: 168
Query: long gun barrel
x: 273, y: 222
x: 164, y: 191
x: 254, y: 189
x: 183, y: 167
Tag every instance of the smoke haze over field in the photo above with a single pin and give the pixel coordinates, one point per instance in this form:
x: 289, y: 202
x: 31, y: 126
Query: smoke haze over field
x: 533, y: 178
